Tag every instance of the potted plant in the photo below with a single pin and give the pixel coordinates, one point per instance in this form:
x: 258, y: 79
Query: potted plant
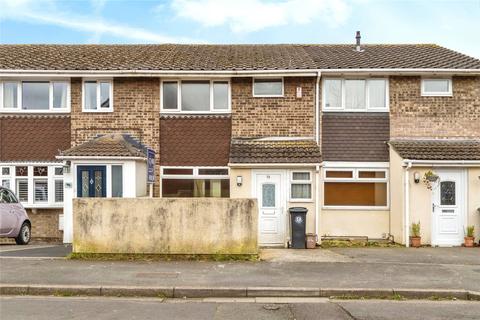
x: 469, y: 239
x: 430, y: 177
x: 415, y: 238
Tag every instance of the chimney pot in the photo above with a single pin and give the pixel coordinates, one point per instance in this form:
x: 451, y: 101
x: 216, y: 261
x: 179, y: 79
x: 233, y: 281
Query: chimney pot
x: 358, y: 37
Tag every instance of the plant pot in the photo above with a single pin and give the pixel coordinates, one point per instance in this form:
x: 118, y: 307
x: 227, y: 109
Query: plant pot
x: 469, y: 241
x: 432, y: 178
x: 416, y: 242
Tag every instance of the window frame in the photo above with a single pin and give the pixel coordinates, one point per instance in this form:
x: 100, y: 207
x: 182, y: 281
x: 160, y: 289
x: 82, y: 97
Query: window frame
x: 211, y: 110
x: 355, y: 179
x: 51, y: 177
x: 436, y: 94
x: 19, y: 108
x: 292, y: 182
x: 268, y: 95
x: 367, y: 108
x: 98, y: 108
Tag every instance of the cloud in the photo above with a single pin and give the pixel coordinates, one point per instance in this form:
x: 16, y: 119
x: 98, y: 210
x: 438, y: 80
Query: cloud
x: 47, y: 12
x: 254, y: 15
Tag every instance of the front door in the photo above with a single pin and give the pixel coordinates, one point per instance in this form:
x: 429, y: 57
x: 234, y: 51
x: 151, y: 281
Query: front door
x: 271, y: 219
x: 91, y: 181
x: 449, y: 208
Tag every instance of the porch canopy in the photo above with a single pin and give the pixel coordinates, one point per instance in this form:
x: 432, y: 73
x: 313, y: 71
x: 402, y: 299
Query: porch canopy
x: 438, y: 150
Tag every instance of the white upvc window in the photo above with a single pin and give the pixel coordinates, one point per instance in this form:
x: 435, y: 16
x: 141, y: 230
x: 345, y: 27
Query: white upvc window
x: 300, y: 186
x: 268, y: 87
x: 35, y: 96
x: 97, y: 95
x: 355, y: 94
x: 195, y: 96
x: 436, y: 87
x: 355, y: 188
x: 38, y: 185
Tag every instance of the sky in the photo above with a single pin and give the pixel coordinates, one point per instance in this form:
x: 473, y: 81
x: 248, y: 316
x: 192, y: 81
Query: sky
x: 454, y: 24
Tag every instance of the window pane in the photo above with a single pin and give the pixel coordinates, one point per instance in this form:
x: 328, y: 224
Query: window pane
x: 35, y: 95
x: 355, y: 94
x: 98, y: 183
x: 338, y: 174
x: 170, y: 95
x: 10, y: 95
x: 268, y: 195
x: 59, y: 171
x: 40, y: 171
x: 90, y: 95
x: 5, y: 171
x: 447, y: 193
x: 60, y: 95
x: 333, y: 94
x: 178, y: 171
x: 213, y: 172
x: 5, y: 183
x: 355, y: 194
x: 195, y: 96
x: 371, y: 174
x: 301, y: 176
x: 301, y: 191
x: 377, y: 93
x: 22, y: 190
x: 267, y: 87
x: 438, y: 85
x: 117, y: 181
x: 189, y: 188
x: 220, y: 95
x: 85, y: 183
x: 104, y: 95
x: 41, y: 190
x: 59, y: 190
x: 21, y: 171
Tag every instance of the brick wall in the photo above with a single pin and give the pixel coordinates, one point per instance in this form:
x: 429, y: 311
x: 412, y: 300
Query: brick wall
x: 284, y: 116
x: 136, y: 107
x: 45, y: 224
x: 412, y: 115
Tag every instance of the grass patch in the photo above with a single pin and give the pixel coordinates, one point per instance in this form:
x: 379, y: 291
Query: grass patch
x: 347, y: 243
x: 396, y: 297
x: 161, y: 257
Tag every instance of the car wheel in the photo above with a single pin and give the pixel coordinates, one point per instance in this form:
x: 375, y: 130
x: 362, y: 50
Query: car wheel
x: 24, y: 235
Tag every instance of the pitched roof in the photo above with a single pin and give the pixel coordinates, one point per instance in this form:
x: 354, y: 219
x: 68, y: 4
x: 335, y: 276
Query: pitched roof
x: 230, y: 57
x: 33, y: 137
x: 109, y: 145
x: 437, y: 149
x: 274, y: 151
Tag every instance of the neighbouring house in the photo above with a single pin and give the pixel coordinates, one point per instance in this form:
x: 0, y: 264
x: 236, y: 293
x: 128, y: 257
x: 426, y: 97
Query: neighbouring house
x: 348, y: 131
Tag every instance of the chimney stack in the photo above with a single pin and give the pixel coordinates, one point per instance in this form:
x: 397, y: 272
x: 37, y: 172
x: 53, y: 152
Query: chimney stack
x: 358, y: 37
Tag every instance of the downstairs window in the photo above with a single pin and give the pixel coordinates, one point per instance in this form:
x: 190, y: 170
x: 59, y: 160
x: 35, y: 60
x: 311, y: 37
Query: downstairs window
x: 194, y: 182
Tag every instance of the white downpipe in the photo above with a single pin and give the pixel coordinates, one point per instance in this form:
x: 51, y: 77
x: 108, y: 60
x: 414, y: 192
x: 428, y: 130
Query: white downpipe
x: 317, y: 201
x: 407, y: 205
x: 317, y: 109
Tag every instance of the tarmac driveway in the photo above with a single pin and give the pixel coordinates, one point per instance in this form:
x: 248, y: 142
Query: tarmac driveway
x: 36, y: 251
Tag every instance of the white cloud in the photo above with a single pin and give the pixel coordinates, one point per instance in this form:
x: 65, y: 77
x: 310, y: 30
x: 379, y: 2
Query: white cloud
x: 47, y: 12
x: 254, y: 15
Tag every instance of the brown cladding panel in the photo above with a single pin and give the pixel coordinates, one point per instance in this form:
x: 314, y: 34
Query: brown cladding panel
x: 355, y: 136
x: 33, y: 138
x: 195, y: 141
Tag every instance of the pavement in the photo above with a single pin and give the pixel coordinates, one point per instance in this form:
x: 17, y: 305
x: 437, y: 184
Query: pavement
x: 410, y: 272
x: 85, y: 308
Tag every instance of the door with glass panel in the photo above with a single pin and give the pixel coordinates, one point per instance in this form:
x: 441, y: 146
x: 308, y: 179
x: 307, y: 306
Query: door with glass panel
x: 91, y: 182
x: 448, y: 208
x: 271, y: 219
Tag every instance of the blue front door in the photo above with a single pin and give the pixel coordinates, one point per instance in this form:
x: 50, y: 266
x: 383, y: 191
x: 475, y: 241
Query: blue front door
x: 91, y: 181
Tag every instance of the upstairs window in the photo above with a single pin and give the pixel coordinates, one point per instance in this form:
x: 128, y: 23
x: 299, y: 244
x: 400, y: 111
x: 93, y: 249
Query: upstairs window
x: 268, y: 87
x: 355, y: 95
x: 34, y: 96
x: 97, y: 96
x: 437, y: 87
x: 195, y: 96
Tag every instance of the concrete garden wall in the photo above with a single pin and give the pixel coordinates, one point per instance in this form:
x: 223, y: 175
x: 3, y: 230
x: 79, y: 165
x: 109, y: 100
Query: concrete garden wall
x: 166, y: 226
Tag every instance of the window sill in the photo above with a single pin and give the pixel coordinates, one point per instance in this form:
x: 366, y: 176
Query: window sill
x: 97, y: 111
x: 301, y: 200
x: 357, y: 111
x: 33, y: 111
x: 176, y: 112
x: 268, y: 96
x: 437, y: 95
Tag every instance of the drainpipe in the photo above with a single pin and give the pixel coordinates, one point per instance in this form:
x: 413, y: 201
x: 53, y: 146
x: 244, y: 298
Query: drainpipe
x: 317, y: 108
x: 317, y: 200
x: 407, y: 204
x: 317, y: 167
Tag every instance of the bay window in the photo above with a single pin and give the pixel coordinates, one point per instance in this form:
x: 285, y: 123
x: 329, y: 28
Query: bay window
x: 353, y: 95
x: 195, y: 96
x: 194, y: 182
x: 97, y: 96
x: 356, y: 188
x: 34, y: 96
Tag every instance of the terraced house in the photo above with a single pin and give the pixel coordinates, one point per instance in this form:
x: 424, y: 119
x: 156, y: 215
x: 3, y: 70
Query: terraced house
x: 354, y: 133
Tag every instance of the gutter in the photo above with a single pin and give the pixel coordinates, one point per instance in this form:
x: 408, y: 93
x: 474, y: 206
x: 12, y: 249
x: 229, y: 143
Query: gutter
x: 99, y: 158
x: 444, y: 163
x: 269, y: 165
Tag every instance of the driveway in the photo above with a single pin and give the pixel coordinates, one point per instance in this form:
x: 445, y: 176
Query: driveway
x: 35, y: 251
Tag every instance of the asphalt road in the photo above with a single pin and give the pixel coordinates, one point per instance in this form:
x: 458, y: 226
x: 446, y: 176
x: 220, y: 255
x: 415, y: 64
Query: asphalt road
x: 52, y: 308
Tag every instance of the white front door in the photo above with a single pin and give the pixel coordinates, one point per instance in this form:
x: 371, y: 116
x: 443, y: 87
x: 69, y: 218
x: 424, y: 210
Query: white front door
x: 448, y: 208
x: 271, y: 219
